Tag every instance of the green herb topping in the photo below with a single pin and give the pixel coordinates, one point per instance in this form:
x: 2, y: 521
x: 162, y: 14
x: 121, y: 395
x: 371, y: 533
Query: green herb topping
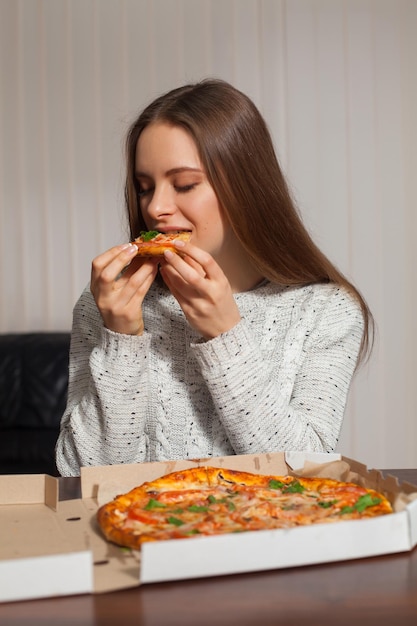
x: 293, y: 487
x: 154, y: 504
x: 362, y: 503
x: 326, y: 504
x: 227, y: 501
x: 194, y: 508
x: 175, y: 521
x: 147, y: 235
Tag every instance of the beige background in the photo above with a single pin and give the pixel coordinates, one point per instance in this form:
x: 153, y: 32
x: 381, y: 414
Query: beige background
x: 337, y: 83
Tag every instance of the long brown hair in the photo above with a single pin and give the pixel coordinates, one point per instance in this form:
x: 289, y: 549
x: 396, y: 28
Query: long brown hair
x: 237, y: 153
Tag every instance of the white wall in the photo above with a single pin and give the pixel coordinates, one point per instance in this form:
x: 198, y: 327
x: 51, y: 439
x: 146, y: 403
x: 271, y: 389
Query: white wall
x: 337, y: 83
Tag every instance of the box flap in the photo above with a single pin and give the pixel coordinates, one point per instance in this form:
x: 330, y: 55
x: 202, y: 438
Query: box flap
x: 113, y: 567
x: 29, y: 489
x: 117, y: 479
x: 272, y: 549
x: 39, y: 558
x: 45, y: 576
x: 297, y: 460
x: 412, y: 517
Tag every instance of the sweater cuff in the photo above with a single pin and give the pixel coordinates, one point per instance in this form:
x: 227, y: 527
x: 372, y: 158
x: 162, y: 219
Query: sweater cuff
x: 117, y: 345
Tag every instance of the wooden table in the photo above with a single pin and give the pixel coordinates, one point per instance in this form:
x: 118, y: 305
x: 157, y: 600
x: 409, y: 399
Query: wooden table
x: 375, y: 591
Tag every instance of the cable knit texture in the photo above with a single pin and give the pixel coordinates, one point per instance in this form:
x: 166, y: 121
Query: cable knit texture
x: 276, y: 381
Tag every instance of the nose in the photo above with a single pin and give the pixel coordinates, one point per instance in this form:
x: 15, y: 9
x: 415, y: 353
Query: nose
x: 160, y: 202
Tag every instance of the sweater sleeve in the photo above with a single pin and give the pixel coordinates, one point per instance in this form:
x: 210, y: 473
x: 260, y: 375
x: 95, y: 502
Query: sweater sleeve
x: 294, y: 404
x: 104, y: 420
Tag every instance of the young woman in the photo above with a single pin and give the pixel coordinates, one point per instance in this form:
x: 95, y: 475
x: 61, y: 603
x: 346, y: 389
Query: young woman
x: 244, y: 342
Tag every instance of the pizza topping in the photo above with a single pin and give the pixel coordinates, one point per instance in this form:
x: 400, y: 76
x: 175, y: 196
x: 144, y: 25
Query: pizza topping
x: 154, y: 504
x: 292, y: 487
x: 147, y: 235
x: 175, y: 520
x: 198, y: 509
x: 326, y: 503
x: 362, y: 503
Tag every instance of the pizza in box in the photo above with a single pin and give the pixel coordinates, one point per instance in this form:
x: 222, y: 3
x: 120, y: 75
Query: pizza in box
x: 205, y: 501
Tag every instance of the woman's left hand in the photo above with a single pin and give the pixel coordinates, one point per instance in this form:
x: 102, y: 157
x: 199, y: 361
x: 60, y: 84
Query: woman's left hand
x: 202, y: 290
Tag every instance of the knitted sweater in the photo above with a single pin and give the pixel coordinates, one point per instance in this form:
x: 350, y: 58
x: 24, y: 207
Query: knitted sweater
x: 276, y: 381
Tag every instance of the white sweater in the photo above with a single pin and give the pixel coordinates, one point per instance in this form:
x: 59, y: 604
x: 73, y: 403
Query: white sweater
x: 276, y: 381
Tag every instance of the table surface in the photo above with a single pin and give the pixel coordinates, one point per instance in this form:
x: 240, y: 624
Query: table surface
x: 374, y: 591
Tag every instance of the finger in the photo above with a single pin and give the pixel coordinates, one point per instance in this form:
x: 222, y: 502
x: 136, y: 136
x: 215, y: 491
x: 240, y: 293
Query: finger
x: 191, y: 262
x: 198, y: 268
x: 138, y: 280
x: 136, y: 263
x: 200, y: 257
x: 109, y: 264
x: 185, y: 291
x: 102, y: 260
x: 120, y: 307
x: 196, y: 274
x: 178, y: 268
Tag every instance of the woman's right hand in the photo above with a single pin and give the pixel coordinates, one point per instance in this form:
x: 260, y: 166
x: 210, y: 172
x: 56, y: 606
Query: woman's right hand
x: 119, y: 283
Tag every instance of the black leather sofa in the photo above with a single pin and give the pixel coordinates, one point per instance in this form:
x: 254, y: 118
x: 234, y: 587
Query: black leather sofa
x: 33, y: 392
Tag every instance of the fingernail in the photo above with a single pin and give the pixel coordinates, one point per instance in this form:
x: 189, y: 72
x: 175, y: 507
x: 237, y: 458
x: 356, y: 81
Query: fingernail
x: 179, y: 243
x: 168, y: 254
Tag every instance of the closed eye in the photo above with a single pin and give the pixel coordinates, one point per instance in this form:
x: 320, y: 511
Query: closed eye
x: 143, y: 192
x: 185, y: 188
x: 178, y: 188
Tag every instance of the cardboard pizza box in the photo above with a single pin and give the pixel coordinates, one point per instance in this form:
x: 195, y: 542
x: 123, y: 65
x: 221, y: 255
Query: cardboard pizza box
x: 38, y: 557
x: 48, y: 547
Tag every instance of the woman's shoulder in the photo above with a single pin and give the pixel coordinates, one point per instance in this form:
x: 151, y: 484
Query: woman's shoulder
x: 337, y: 310
x: 332, y: 300
x: 336, y: 296
x: 333, y: 292
x: 326, y: 300
x: 314, y: 291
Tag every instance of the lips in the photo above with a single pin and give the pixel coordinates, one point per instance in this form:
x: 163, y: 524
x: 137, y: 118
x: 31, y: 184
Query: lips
x: 171, y: 230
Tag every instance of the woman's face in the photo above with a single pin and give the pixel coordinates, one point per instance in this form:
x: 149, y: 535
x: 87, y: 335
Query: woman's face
x: 174, y: 191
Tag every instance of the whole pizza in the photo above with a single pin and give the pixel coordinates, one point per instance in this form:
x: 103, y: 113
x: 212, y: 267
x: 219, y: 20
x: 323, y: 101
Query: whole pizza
x: 212, y: 501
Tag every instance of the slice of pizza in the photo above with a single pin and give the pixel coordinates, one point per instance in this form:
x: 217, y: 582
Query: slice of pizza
x: 154, y: 243
x: 211, y: 501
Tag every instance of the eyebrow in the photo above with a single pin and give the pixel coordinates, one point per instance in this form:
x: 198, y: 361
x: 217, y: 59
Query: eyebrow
x: 172, y: 171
